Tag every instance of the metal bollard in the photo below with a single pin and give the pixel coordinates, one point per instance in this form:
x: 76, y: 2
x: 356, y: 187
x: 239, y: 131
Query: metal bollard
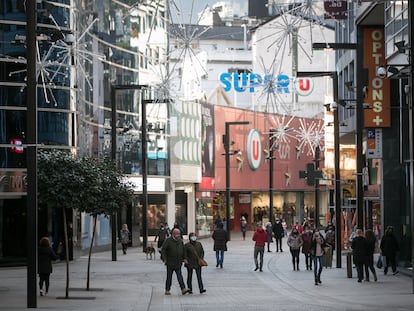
x: 349, y: 265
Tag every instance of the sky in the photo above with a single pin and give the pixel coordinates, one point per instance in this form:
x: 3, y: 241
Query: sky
x: 199, y: 5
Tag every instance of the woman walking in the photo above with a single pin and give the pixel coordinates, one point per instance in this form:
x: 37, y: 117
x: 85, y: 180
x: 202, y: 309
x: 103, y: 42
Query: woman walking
x: 317, y: 252
x: 269, y: 231
x: 243, y: 226
x: 306, y: 246
x: 220, y: 244
x: 295, y: 242
x: 359, y: 253
x: 44, y: 268
x: 389, y: 248
x: 371, y: 241
x: 124, y: 238
x: 193, y: 251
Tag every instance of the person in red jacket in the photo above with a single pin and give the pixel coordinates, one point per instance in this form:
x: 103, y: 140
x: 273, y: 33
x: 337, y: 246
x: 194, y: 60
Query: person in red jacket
x: 260, y: 237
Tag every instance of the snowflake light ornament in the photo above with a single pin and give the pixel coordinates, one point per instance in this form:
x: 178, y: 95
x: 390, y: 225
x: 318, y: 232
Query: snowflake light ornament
x: 309, y: 136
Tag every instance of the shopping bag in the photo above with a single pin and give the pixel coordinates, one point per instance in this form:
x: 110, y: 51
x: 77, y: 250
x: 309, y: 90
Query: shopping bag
x: 202, y: 262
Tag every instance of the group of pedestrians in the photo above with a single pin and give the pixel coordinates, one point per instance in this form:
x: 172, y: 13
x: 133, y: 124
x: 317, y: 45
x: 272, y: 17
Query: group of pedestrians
x: 363, y: 247
x: 175, y: 253
x: 301, y: 239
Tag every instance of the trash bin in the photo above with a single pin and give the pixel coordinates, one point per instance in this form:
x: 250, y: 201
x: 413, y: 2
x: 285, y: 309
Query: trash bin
x: 349, y: 265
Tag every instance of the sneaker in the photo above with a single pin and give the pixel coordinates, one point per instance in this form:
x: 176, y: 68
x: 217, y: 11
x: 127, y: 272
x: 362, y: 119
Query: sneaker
x: 396, y: 272
x: 202, y: 291
x: 185, y: 291
x: 41, y: 292
x: 167, y: 292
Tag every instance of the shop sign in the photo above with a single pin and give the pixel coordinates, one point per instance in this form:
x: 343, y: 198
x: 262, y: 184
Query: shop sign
x: 14, y: 181
x: 254, y: 149
x: 374, y: 143
x: 281, y: 84
x: 378, y: 91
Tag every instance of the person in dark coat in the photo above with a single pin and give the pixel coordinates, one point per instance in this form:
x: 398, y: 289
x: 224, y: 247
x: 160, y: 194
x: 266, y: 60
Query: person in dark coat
x: 44, y: 264
x: 220, y: 244
x: 173, y: 255
x: 194, y: 250
x: 359, y: 253
x: 307, y: 245
x: 389, y: 248
x: 279, y: 234
x: 269, y: 231
x: 371, y: 240
x: 161, y: 235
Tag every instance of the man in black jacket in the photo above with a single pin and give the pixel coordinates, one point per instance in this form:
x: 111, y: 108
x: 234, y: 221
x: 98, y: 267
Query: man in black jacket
x: 279, y: 234
x: 173, y: 256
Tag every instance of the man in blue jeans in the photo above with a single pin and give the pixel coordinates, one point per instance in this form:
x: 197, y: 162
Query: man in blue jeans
x: 173, y: 256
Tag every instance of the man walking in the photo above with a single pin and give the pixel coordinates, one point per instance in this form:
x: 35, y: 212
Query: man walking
x: 260, y: 237
x: 279, y: 233
x: 174, y: 256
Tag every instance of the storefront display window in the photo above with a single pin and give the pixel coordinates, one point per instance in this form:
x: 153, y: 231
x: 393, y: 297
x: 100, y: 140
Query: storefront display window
x: 204, y: 217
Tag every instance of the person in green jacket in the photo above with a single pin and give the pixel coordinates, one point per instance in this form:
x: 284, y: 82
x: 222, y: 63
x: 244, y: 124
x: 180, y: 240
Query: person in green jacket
x: 173, y: 256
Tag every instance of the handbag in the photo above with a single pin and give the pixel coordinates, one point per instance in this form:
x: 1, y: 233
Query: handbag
x: 202, y: 262
x: 379, y: 262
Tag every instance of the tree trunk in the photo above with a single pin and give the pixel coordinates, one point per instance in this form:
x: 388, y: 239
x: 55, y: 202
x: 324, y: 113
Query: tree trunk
x: 65, y: 232
x: 90, y: 252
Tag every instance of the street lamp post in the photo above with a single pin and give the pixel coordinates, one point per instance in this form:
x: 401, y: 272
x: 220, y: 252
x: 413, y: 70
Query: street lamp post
x: 271, y: 158
x: 32, y: 215
x: 144, y: 201
x: 334, y: 76
x: 226, y: 142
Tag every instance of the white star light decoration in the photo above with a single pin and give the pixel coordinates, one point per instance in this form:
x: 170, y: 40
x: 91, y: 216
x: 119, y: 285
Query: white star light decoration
x: 308, y: 136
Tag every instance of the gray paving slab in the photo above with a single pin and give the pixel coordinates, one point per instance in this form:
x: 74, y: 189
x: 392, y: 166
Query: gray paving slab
x: 135, y: 283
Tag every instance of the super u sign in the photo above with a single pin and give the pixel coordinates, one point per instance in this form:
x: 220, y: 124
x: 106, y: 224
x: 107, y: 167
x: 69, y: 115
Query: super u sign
x: 282, y: 83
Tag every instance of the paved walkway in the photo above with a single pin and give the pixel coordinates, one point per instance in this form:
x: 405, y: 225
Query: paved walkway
x: 135, y: 283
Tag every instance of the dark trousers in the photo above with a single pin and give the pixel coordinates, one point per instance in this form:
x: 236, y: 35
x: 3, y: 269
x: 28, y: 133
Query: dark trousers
x: 258, y: 252
x: 295, y: 258
x: 180, y: 280
x: 44, y: 278
x: 360, y: 270
x: 308, y: 260
x: 390, y: 261
x: 317, y: 266
x: 124, y: 247
x: 278, y: 244
x: 190, y: 278
x: 370, y: 265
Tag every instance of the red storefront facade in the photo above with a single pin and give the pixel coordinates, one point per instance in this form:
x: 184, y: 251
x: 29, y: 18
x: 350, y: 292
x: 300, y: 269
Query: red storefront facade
x: 249, y: 175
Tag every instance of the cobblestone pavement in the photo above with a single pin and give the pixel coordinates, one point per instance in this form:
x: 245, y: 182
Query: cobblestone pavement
x: 135, y: 283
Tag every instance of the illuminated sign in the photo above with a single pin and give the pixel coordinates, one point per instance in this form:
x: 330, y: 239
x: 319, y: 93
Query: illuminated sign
x: 18, y: 145
x: 242, y: 82
x: 254, y: 149
x: 378, y: 96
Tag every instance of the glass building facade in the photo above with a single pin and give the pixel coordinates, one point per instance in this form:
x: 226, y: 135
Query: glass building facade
x: 86, y: 49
